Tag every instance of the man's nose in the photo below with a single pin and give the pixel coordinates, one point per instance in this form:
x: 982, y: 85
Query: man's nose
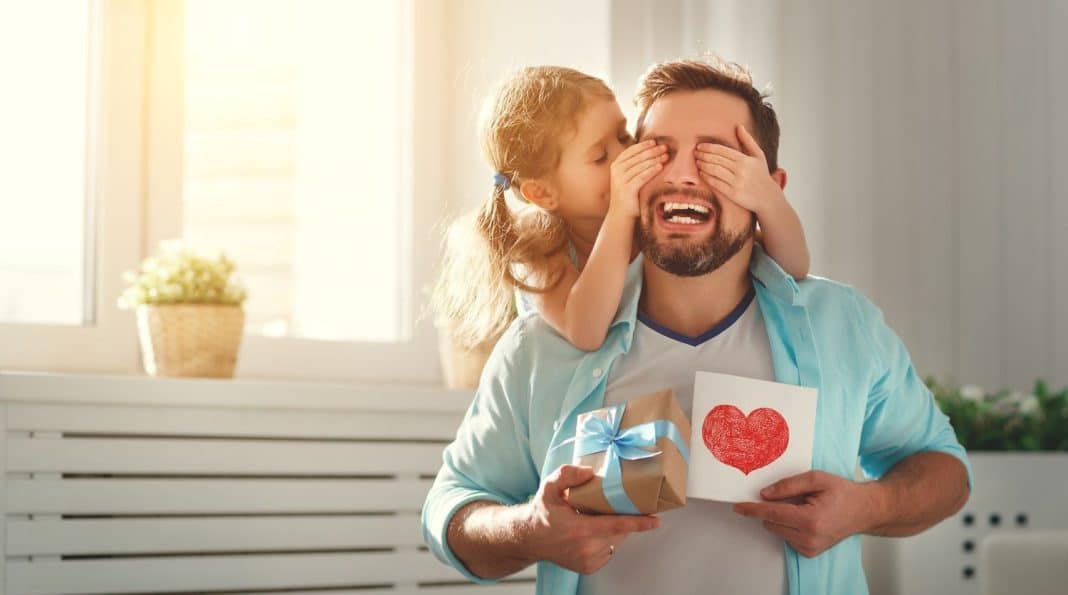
x: 682, y: 169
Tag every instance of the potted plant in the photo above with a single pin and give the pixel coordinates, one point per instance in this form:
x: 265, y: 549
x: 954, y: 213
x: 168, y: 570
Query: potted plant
x: 190, y: 319
x: 1017, y: 444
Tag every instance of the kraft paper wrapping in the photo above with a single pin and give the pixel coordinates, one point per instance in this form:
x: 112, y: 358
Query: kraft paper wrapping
x: 654, y: 484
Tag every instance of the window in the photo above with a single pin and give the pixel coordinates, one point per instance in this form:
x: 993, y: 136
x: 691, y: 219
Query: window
x: 283, y: 134
x: 279, y: 131
x: 44, y: 163
x: 295, y: 159
x: 71, y: 224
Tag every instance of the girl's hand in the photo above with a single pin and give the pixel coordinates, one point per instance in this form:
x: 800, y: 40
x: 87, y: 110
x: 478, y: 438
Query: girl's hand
x: 635, y: 166
x: 739, y: 177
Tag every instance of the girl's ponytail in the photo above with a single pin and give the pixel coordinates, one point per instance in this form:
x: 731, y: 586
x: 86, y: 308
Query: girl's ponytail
x: 497, y: 227
x: 473, y: 298
x: 494, y: 251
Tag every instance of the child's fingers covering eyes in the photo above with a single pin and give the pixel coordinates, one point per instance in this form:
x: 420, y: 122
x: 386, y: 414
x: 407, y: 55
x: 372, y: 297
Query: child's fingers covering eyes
x: 717, y: 170
x: 638, y: 154
x: 645, y: 168
x: 718, y: 149
x: 646, y: 162
x: 720, y: 187
x: 635, y: 149
x: 645, y: 175
x: 704, y: 157
x: 652, y: 171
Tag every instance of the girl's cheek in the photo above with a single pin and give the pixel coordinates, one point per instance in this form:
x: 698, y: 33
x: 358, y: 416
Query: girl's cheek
x: 605, y: 179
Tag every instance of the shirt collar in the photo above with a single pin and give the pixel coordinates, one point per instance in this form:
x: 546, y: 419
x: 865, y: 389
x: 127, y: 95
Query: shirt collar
x: 772, y: 277
x: 762, y: 267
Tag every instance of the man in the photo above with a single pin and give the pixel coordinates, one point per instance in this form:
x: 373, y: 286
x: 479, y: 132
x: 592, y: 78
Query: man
x: 707, y: 299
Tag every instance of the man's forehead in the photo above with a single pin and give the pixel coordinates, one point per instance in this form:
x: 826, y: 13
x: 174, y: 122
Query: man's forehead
x: 703, y: 116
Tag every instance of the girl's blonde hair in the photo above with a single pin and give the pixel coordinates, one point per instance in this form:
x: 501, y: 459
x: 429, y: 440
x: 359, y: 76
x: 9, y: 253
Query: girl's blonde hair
x: 494, y: 251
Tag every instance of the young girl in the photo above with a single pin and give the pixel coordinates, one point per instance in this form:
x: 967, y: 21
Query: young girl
x: 558, y: 139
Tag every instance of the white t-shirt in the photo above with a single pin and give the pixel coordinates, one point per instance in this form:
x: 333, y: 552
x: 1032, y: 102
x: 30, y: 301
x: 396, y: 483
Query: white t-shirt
x: 702, y: 547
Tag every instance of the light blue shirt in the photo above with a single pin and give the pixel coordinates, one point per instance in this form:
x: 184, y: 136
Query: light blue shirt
x: 872, y: 406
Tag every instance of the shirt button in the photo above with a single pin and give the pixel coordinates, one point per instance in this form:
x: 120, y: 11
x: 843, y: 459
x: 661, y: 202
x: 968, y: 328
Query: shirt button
x: 597, y: 372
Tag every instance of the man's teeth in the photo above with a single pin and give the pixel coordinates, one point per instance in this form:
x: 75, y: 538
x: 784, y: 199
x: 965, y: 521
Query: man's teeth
x: 680, y: 206
x: 670, y: 208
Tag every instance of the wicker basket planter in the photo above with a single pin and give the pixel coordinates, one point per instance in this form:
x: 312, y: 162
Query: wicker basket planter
x: 190, y: 339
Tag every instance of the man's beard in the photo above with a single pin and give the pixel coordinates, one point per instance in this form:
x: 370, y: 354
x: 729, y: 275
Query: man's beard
x: 691, y: 260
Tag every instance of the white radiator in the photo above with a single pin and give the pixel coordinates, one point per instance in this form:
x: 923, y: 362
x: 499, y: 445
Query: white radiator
x: 136, y: 485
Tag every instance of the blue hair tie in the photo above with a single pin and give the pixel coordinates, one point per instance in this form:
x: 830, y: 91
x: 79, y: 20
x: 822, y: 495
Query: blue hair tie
x: 501, y: 180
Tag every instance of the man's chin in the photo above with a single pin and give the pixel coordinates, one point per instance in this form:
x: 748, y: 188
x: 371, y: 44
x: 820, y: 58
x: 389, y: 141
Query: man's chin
x: 690, y: 254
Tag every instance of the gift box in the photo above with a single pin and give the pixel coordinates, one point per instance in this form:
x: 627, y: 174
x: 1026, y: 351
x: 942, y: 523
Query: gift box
x: 639, y: 451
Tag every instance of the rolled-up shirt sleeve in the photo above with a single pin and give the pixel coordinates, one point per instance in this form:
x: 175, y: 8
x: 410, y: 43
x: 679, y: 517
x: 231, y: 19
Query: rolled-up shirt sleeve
x: 489, y: 460
x: 901, y: 416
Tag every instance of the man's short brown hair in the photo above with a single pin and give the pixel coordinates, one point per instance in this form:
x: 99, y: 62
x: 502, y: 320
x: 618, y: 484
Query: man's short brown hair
x: 712, y: 73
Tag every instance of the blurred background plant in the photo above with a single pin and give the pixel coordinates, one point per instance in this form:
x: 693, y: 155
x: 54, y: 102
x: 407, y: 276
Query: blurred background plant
x: 1006, y: 420
x: 179, y: 274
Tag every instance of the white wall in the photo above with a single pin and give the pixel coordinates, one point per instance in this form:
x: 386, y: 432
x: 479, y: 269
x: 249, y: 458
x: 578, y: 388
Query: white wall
x: 922, y: 141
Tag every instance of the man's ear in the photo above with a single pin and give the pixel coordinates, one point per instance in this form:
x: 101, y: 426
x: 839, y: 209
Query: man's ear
x: 779, y: 176
x: 538, y: 193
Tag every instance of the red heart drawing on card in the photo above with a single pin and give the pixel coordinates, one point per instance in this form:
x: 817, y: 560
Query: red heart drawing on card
x: 745, y: 443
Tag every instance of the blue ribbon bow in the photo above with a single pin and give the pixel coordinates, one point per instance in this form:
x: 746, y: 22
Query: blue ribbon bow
x: 597, y: 435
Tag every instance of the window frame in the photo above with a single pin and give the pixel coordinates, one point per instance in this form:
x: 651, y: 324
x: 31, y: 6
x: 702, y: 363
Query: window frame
x: 107, y: 341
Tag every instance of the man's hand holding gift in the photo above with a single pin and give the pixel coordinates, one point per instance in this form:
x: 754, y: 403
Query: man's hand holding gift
x: 579, y: 542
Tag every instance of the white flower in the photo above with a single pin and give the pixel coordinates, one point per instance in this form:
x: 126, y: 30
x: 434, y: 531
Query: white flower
x: 1009, y: 404
x: 1030, y: 405
x: 971, y: 392
x: 180, y: 274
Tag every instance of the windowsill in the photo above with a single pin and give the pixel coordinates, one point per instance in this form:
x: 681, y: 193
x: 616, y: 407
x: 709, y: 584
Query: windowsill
x: 65, y: 387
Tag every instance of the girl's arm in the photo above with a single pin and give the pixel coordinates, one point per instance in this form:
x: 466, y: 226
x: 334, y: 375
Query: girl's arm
x: 582, y: 305
x: 783, y: 237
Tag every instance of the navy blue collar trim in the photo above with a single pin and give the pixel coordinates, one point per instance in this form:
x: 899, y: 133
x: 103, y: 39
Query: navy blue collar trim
x: 726, y: 323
